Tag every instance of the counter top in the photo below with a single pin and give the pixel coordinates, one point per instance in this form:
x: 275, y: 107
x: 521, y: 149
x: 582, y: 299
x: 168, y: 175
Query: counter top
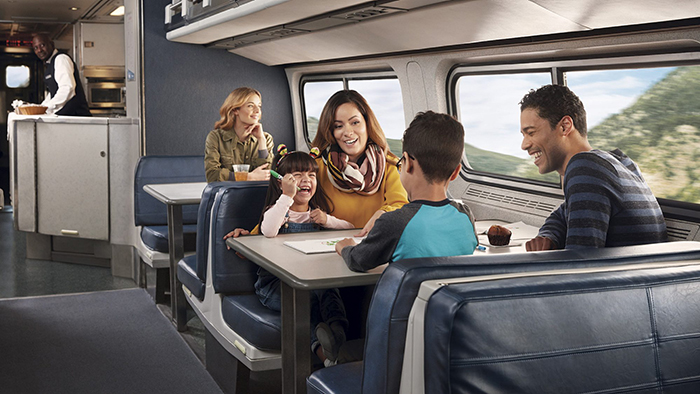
x: 70, y: 119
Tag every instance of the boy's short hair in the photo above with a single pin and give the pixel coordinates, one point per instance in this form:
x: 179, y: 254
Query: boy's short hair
x: 436, y: 141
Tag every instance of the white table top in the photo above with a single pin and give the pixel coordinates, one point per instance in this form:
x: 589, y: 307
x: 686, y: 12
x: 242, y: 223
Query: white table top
x: 177, y: 193
x: 304, y: 271
x: 521, y: 234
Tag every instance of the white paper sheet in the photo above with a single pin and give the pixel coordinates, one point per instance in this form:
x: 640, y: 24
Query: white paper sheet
x: 313, y: 246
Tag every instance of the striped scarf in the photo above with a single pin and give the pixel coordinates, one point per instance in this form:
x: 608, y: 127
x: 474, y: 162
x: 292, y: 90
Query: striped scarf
x: 348, y: 176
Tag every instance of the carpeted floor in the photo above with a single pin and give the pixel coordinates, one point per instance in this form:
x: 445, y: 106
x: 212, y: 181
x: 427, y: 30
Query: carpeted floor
x: 102, y: 342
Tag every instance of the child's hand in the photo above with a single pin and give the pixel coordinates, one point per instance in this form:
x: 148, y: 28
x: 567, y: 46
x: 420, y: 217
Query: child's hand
x: 235, y: 234
x: 289, y: 185
x: 344, y: 243
x: 319, y: 217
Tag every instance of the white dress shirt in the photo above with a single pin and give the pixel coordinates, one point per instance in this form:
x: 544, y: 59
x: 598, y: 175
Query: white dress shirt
x: 63, y: 74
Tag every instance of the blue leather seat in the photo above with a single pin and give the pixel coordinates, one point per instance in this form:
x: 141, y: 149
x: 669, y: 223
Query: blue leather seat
x: 192, y: 270
x: 635, y: 330
x: 398, y: 286
x: 233, y: 317
x: 260, y: 326
x: 235, y: 277
x: 151, y: 214
x: 156, y: 237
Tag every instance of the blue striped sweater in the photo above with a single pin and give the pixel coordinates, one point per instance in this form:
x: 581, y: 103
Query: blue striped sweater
x: 606, y: 203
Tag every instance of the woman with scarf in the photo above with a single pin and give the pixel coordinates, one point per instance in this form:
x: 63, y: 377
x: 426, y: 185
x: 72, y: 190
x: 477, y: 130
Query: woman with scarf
x: 356, y: 169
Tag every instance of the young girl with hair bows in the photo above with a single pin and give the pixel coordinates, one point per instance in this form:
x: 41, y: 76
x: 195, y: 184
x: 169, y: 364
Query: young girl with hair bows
x: 295, y: 204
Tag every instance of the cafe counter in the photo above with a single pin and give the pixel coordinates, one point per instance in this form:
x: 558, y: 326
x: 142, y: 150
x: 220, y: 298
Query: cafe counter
x: 71, y: 187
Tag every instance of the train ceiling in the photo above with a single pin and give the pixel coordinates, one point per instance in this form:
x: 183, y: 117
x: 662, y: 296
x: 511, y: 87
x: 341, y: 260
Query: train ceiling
x: 298, y: 31
x: 19, y: 19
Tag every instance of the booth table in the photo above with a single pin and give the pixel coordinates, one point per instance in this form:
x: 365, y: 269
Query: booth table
x: 300, y: 273
x: 175, y: 195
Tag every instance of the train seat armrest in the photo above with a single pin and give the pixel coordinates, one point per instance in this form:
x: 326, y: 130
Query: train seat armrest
x: 186, y: 273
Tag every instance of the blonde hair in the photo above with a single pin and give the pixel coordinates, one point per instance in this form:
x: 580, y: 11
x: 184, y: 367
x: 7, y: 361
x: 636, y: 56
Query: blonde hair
x: 234, y: 101
x: 324, y: 135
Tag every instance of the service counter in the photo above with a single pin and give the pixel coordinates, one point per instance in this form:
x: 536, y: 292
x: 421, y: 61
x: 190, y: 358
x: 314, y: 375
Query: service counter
x: 71, y: 188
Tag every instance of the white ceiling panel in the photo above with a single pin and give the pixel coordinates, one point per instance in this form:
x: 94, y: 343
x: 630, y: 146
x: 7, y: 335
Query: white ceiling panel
x: 284, y: 13
x: 445, y: 24
x: 43, y: 10
x: 597, y: 14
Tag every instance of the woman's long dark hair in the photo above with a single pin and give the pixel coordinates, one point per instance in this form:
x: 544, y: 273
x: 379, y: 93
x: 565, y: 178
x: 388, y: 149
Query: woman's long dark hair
x: 293, y: 162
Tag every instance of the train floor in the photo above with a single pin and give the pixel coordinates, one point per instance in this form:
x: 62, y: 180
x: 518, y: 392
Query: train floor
x: 22, y: 277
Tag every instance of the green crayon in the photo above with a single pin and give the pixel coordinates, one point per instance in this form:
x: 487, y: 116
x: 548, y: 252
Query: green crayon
x: 278, y: 176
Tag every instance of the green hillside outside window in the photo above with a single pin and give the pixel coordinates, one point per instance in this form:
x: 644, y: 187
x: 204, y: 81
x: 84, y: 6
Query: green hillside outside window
x: 315, y: 96
x: 651, y: 114
x: 488, y: 108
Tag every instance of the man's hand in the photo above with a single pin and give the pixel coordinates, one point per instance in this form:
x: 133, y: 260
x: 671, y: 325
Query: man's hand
x: 370, y: 223
x: 260, y: 173
x: 539, y: 243
x: 344, y: 243
x: 319, y: 217
x: 235, y: 234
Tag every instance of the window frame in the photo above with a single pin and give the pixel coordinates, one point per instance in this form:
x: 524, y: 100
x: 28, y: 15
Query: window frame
x: 345, y: 78
x: 557, y: 69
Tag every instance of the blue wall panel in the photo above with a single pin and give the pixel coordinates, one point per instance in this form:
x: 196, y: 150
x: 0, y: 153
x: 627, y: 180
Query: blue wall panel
x: 185, y: 84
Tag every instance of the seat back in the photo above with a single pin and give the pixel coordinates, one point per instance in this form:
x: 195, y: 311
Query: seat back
x: 164, y: 169
x: 236, y: 206
x: 204, y: 225
x: 634, y: 330
x: 398, y: 286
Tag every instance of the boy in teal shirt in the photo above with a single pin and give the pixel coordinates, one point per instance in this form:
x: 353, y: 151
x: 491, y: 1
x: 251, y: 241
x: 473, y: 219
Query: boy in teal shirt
x: 430, y: 225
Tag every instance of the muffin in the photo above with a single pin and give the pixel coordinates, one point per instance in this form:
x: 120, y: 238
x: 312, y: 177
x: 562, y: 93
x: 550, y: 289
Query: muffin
x: 498, y: 235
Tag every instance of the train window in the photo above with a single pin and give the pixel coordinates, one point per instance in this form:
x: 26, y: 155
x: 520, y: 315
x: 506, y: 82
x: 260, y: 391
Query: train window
x: 382, y: 91
x: 316, y: 94
x: 384, y: 97
x: 488, y: 108
x: 17, y: 76
x: 651, y: 114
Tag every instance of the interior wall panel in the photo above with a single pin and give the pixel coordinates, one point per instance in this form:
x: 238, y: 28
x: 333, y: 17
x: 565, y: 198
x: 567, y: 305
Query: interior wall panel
x: 186, y: 84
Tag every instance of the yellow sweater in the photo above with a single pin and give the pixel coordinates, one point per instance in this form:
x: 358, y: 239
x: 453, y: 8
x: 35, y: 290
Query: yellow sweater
x: 357, y: 208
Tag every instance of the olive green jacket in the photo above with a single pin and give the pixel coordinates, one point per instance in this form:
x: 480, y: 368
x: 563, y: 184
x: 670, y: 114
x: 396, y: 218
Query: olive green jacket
x: 223, y: 149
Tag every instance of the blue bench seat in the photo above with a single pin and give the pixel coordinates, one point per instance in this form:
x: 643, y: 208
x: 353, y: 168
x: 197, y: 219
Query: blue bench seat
x: 591, y: 331
x: 398, y: 287
x: 262, y: 326
x: 151, y: 214
x: 156, y: 237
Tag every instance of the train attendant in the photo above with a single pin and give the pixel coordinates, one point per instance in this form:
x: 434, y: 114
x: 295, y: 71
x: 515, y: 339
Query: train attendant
x: 238, y: 138
x: 606, y: 200
x: 356, y: 169
x: 65, y: 92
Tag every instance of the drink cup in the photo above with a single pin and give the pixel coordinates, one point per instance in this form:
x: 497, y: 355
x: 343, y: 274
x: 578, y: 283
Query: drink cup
x: 240, y: 171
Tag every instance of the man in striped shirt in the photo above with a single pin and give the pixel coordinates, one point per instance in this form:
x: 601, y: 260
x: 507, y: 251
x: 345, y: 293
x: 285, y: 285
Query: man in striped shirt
x: 606, y: 200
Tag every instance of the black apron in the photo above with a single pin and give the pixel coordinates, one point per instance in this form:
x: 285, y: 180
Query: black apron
x: 77, y: 105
